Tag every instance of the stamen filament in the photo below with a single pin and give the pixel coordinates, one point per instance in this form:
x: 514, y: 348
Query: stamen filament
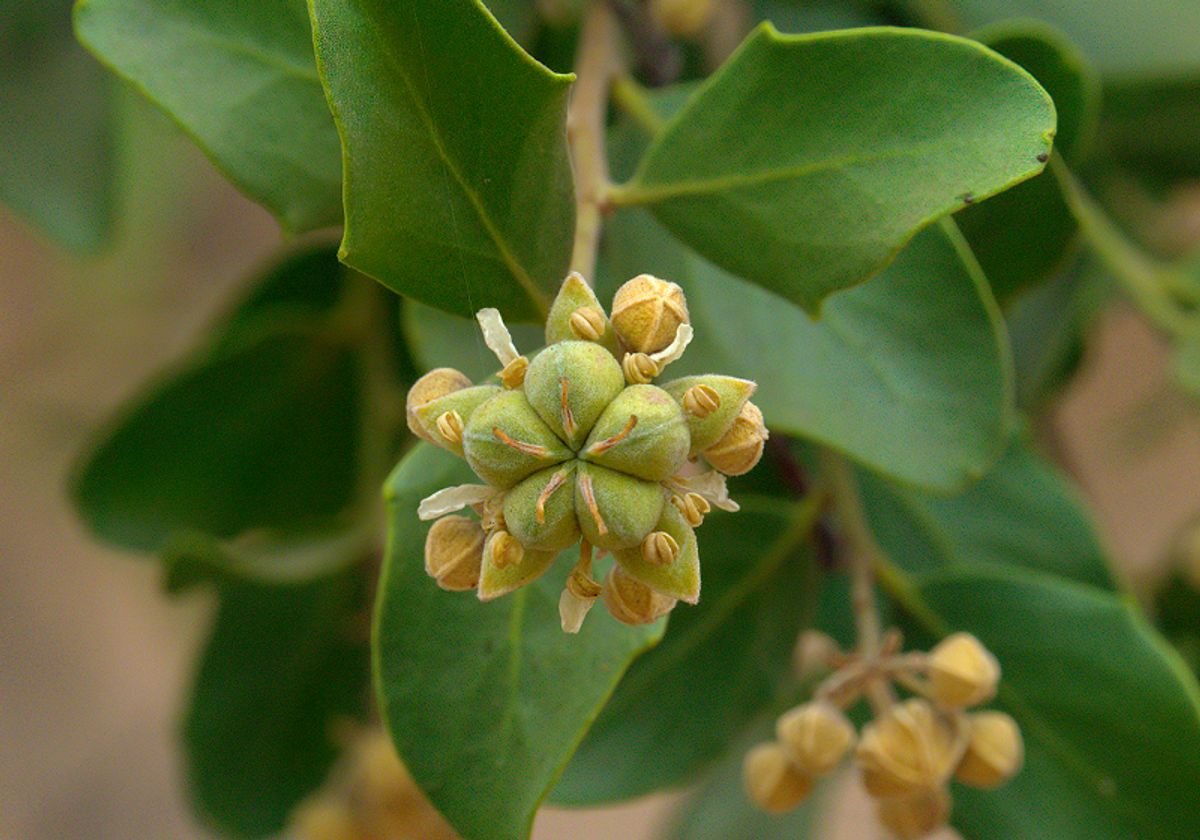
x: 534, y: 449
x: 603, y: 446
x: 568, y: 418
x: 589, y: 498
x: 557, y: 480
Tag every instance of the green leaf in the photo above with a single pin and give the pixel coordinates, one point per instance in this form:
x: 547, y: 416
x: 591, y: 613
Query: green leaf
x: 240, y: 78
x: 282, y: 667
x: 1177, y: 612
x: 1147, y: 38
x: 1028, y: 234
x: 1109, y: 714
x: 1022, y: 513
x: 265, y: 436
x: 57, y: 168
x: 486, y: 702
x: 873, y: 378
x: 719, y: 808
x: 458, y: 187
x: 827, y: 153
x: 720, y: 663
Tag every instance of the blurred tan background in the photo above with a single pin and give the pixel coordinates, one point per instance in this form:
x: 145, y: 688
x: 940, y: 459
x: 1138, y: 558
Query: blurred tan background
x: 95, y: 660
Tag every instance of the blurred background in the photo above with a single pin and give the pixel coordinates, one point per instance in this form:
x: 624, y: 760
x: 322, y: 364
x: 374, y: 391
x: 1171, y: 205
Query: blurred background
x: 95, y: 659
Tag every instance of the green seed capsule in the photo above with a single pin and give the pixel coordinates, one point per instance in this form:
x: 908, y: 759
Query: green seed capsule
x: 574, y: 295
x: 680, y: 578
x: 540, y: 511
x: 616, y: 510
x: 569, y: 384
x: 642, y: 432
x: 708, y: 424
x: 463, y: 401
x: 504, y: 441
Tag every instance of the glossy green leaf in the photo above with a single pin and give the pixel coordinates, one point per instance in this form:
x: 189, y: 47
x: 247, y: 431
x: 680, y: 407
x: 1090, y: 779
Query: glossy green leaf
x: 56, y: 126
x: 284, y: 666
x: 1028, y: 234
x: 1123, y: 39
x: 1022, y: 513
x: 240, y: 78
x: 908, y: 374
x: 458, y: 187
x: 719, y: 809
x: 1109, y: 714
x: 720, y: 663
x: 262, y: 437
x: 486, y: 702
x: 826, y: 153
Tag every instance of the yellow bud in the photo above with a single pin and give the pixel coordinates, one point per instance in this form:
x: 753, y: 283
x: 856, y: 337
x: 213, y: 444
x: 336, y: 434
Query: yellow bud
x: 646, y: 313
x: 773, y: 781
x: 504, y: 550
x: 693, y: 506
x: 701, y: 400
x: 741, y: 447
x: 639, y: 368
x: 454, y: 552
x: 912, y: 748
x: 450, y: 426
x: 816, y: 736
x: 587, y: 323
x: 513, y: 375
x: 659, y: 548
x: 436, y: 383
x: 995, y: 752
x: 962, y: 672
x: 913, y: 817
x: 683, y: 18
x: 632, y: 602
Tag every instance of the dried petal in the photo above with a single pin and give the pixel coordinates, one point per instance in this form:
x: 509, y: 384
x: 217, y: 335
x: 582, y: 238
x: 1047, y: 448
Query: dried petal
x: 451, y: 499
x: 496, y: 336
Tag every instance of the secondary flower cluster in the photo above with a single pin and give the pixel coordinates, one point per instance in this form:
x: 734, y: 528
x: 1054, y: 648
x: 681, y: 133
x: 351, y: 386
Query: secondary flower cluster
x: 910, y: 751
x: 576, y: 445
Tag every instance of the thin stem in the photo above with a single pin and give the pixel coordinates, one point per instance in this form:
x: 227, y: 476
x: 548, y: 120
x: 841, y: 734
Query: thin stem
x: 1146, y: 280
x: 595, y: 68
x: 862, y: 556
x: 631, y: 98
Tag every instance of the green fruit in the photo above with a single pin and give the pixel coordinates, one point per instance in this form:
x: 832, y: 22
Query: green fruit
x: 707, y: 428
x: 679, y: 579
x: 569, y: 384
x: 505, y: 441
x: 628, y: 507
x: 642, y: 432
x: 540, y: 511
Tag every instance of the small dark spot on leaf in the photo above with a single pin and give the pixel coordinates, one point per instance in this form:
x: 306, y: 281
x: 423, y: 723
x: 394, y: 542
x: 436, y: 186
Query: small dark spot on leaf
x: 1043, y: 157
x: 968, y: 198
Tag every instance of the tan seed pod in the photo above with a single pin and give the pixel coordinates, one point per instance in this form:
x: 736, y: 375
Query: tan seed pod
x: 693, y: 506
x: 436, y: 383
x: 912, y: 748
x: 646, y: 313
x: 701, y: 400
x: 639, y: 369
x: 659, y: 548
x: 741, y: 447
x: 513, y: 375
x: 816, y: 735
x: 913, y: 817
x: 774, y: 783
x: 962, y: 672
x: 454, y: 552
x: 504, y: 550
x: 632, y: 602
x: 588, y: 323
x: 682, y: 18
x: 995, y: 752
x: 450, y: 427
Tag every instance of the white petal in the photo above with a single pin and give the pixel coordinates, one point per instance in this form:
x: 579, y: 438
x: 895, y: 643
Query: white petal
x: 496, y: 336
x: 711, y: 485
x: 450, y: 499
x: 683, y: 337
x: 573, y: 610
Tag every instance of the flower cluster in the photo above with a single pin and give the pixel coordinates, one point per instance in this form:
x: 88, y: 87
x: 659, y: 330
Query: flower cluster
x: 577, y: 445
x: 910, y: 751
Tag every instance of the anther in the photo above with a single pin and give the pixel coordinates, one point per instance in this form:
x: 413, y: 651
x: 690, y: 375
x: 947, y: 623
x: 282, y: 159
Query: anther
x: 513, y: 375
x: 587, y: 323
x: 450, y: 426
x: 557, y: 480
x: 639, y: 368
x: 600, y: 447
x: 589, y: 499
x: 533, y: 449
x: 568, y: 419
x: 659, y: 548
x: 693, y: 506
x: 505, y: 550
x: 701, y: 401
